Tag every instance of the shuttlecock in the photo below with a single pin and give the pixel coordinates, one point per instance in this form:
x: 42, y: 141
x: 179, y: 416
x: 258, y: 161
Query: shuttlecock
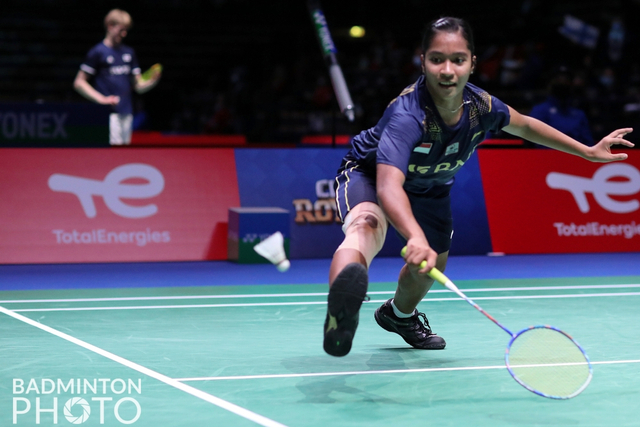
x: 272, y: 248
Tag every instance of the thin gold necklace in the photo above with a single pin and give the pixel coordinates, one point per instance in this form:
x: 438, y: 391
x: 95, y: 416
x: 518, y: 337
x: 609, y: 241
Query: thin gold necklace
x: 456, y: 110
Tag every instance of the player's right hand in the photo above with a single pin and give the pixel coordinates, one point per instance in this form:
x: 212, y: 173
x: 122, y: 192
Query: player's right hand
x: 111, y: 100
x: 417, y: 252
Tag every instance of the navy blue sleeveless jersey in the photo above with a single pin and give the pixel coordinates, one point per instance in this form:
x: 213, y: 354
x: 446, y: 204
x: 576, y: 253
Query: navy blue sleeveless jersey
x: 112, y: 69
x: 412, y: 136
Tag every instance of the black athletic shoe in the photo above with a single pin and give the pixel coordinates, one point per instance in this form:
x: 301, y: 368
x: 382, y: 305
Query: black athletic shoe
x: 346, y: 294
x: 414, y: 330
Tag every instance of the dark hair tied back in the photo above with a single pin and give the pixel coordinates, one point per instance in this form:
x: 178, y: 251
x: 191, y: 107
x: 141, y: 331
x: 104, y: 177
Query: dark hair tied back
x: 450, y: 25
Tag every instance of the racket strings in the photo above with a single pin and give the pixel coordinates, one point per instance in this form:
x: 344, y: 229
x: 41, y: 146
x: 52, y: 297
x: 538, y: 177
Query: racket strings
x: 547, y: 361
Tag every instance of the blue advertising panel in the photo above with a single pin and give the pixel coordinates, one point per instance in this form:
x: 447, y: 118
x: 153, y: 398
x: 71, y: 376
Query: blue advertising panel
x: 470, y: 224
x: 301, y: 181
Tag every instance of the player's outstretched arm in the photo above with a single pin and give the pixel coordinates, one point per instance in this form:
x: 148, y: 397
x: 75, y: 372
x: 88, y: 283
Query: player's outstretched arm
x: 395, y: 204
x: 536, y: 131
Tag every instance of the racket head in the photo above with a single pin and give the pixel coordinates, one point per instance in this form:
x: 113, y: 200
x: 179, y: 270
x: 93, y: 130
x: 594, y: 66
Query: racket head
x: 548, y: 362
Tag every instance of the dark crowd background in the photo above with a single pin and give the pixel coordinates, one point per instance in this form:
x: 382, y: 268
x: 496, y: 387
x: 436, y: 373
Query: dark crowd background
x: 254, y: 67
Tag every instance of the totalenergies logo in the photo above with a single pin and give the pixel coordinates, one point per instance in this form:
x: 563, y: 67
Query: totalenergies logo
x: 113, y: 189
x: 615, y: 179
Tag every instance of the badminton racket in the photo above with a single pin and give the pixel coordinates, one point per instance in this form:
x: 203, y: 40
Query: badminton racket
x: 543, y: 359
x: 153, y: 71
x: 329, y: 52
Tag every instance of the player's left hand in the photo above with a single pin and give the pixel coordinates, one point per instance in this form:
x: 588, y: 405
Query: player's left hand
x: 601, y: 152
x: 155, y: 75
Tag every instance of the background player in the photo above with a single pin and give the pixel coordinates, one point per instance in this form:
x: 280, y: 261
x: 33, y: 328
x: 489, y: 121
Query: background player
x: 115, y: 71
x: 558, y: 112
x: 402, y: 170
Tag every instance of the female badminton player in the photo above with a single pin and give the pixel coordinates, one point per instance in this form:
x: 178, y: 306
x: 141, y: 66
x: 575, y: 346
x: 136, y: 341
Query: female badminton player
x: 401, y: 171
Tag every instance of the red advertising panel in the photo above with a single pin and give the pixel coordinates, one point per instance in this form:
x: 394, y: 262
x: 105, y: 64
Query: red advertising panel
x: 115, y: 204
x: 544, y: 201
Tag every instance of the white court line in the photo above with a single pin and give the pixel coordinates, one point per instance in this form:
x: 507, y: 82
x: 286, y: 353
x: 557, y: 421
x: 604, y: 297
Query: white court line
x: 242, y: 412
x: 272, y: 304
x: 310, y: 294
x: 388, y: 371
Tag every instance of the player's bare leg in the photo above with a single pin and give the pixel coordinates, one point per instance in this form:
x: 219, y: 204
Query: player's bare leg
x: 413, y: 287
x: 342, y: 258
x: 365, y: 229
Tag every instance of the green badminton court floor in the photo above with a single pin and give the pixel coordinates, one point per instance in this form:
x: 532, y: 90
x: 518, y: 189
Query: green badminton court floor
x: 250, y: 353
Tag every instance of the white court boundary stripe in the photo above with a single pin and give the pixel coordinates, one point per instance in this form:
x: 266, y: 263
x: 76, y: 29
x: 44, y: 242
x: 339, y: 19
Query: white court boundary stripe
x: 389, y: 371
x: 272, y: 304
x: 242, y: 412
x: 310, y: 294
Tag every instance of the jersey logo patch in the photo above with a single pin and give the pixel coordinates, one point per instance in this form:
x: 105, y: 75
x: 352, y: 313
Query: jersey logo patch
x: 126, y: 57
x: 453, y: 148
x: 424, y: 148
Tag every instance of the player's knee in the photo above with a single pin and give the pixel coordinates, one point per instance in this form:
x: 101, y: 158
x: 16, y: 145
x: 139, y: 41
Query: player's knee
x: 365, y: 232
x: 372, y: 221
x: 365, y: 223
x: 370, y: 226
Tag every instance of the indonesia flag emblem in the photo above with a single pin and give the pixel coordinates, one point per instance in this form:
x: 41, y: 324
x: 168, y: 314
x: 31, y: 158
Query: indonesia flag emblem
x: 424, y: 148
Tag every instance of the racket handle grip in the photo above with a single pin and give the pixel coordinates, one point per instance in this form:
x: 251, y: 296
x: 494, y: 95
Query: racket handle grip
x: 434, y: 273
x: 437, y: 275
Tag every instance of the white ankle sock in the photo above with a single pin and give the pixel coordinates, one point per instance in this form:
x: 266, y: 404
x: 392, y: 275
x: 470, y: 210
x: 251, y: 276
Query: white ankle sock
x: 398, y: 313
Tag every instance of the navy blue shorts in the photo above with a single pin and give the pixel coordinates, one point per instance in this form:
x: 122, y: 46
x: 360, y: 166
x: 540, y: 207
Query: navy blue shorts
x: 431, y: 210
